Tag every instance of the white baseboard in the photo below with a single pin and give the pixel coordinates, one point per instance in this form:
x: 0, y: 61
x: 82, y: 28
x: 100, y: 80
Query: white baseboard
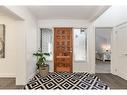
x: 8, y: 75
x: 120, y: 74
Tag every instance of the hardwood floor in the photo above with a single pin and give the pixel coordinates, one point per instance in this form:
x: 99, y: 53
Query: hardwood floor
x: 9, y: 83
x: 113, y: 81
x: 102, y: 67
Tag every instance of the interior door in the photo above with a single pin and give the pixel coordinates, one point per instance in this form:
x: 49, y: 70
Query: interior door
x: 63, y: 49
x: 121, y: 49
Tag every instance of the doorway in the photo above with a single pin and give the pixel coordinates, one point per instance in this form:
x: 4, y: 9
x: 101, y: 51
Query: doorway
x: 63, y: 49
x: 103, y: 49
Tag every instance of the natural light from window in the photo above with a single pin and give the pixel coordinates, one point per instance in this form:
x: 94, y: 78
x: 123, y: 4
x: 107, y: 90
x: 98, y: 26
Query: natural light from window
x: 79, y: 43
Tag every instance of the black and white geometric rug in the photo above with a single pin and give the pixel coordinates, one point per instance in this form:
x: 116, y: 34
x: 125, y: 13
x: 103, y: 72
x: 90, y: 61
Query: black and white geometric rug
x: 66, y: 81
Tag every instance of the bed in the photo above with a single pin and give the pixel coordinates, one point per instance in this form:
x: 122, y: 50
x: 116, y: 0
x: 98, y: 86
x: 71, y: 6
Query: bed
x: 103, y: 56
x: 66, y: 81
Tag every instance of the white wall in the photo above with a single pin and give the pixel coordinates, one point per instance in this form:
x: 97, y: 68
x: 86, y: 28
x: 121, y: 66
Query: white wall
x: 114, y: 16
x: 27, y: 31
x: 8, y: 64
x: 29, y: 40
x: 91, y: 47
x: 77, y: 67
x: 25, y: 44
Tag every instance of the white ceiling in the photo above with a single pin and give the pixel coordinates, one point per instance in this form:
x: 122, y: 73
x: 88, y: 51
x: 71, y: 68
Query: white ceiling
x: 104, y: 33
x: 67, y: 12
x: 6, y: 12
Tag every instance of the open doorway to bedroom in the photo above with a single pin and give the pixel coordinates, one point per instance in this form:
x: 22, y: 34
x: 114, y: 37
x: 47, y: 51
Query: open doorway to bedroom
x: 103, y: 49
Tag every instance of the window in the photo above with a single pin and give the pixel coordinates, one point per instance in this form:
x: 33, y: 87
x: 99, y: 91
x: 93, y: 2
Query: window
x: 46, y: 43
x: 80, y: 44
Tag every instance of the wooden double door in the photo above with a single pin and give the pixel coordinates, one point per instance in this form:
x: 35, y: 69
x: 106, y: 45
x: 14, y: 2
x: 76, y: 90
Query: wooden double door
x: 63, y: 49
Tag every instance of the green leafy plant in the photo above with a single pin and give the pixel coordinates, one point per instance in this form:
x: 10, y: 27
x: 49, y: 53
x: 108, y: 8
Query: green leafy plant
x: 41, y: 58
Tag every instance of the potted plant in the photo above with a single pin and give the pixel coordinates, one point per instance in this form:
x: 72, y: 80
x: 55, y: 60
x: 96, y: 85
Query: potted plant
x: 42, y: 67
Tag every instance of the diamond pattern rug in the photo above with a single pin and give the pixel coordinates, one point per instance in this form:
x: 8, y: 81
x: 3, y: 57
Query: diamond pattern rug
x: 66, y: 81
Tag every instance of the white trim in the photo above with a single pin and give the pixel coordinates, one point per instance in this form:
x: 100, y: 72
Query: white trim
x: 122, y: 75
x: 121, y: 24
x: 99, y: 13
x: 7, y: 75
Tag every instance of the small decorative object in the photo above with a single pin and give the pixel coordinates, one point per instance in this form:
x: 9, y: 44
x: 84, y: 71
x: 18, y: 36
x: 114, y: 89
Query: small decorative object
x: 42, y: 67
x: 2, y: 41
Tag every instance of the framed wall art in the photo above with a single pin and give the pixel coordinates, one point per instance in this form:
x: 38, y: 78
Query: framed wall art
x: 2, y: 41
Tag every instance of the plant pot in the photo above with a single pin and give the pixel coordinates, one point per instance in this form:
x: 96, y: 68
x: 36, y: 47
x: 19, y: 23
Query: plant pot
x: 43, y: 70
